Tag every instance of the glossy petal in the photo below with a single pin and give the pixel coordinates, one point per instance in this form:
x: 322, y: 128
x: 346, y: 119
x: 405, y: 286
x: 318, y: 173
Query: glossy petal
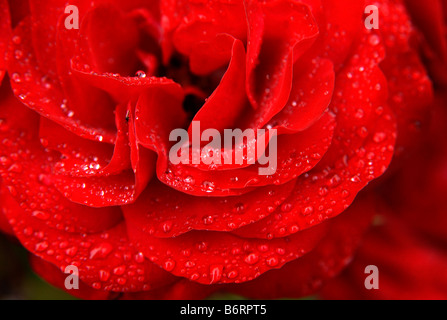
x: 105, y: 260
x: 167, y: 213
x: 269, y: 71
x: 5, y: 32
x: 361, y: 150
x: 218, y: 257
x: 40, y: 92
x: 305, y: 276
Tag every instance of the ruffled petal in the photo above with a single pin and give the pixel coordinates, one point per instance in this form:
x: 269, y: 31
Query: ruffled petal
x: 219, y: 257
x: 5, y: 35
x: 306, y: 275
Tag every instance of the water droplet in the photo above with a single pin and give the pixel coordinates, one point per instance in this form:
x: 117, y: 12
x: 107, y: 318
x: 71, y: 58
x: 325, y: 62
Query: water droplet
x: 16, y: 168
x: 169, y: 265
x: 28, y: 231
x: 374, y: 39
x: 18, y: 54
x: 252, y: 258
x: 167, y: 226
x: 280, y: 251
x: 189, y: 180
x: 379, y: 137
x: 239, y: 208
x: 335, y: 180
x: 208, y: 220
x: 141, y: 74
x: 194, y: 277
x: 323, y: 191
x: 101, y: 251
x: 189, y: 264
x: 96, y: 285
x: 186, y: 252
x: 139, y: 257
x: 209, y: 186
x: 119, y: 271
x: 42, y: 246
x: 362, y: 132
x: 41, y: 215
x: 202, y: 246
x: 16, y: 77
x: 308, y: 211
x: 104, y: 275
x: 286, y: 207
x: 71, y: 252
x: 216, y: 273
x: 272, y: 261
x: 16, y: 40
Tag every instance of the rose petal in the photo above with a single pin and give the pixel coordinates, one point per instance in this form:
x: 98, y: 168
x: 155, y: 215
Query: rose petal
x: 164, y: 212
x: 269, y: 71
x: 207, y: 21
x: 41, y: 93
x: 218, y: 257
x: 26, y: 172
x: 56, y: 277
x: 5, y: 35
x: 311, y: 95
x: 226, y: 105
x: 361, y: 150
x: 306, y: 275
x: 304, y: 150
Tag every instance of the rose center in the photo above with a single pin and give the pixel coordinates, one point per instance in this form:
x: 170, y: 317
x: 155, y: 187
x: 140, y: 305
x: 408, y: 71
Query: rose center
x: 197, y: 88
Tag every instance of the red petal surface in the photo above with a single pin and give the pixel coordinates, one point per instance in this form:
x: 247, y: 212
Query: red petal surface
x: 40, y: 93
x: 270, y: 53
x: 416, y: 193
x: 306, y: 275
x: 164, y: 213
x: 86, y: 178
x: 409, y: 267
x: 218, y: 257
x: 361, y: 150
x: 410, y: 88
x: 5, y: 35
x: 311, y: 95
x: 202, y: 34
x: 56, y: 277
x: 229, y: 99
x: 26, y: 172
x: 4, y: 224
x: 304, y: 150
x: 105, y: 260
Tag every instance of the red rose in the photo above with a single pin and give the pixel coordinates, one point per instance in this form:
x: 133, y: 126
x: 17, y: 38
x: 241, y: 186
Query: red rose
x: 86, y: 174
